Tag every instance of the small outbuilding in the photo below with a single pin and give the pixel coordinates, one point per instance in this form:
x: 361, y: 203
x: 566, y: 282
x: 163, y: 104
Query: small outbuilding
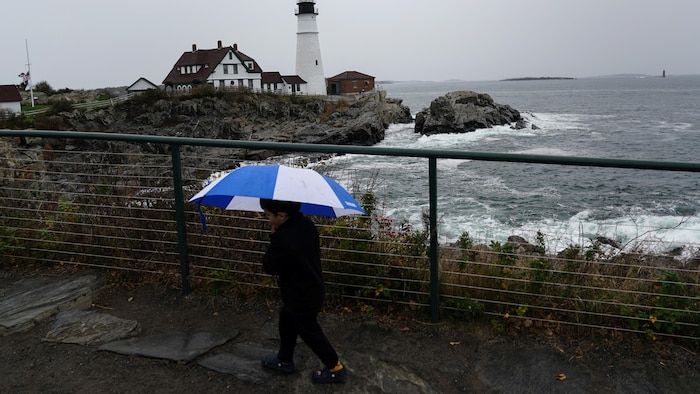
x: 350, y: 82
x: 273, y: 81
x: 141, y: 85
x: 10, y: 99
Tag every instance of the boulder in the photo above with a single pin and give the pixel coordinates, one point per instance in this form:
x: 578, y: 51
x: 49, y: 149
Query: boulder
x: 464, y: 111
x: 522, y: 246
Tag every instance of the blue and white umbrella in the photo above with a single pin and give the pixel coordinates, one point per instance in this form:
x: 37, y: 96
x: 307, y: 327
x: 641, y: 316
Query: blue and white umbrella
x: 242, y: 189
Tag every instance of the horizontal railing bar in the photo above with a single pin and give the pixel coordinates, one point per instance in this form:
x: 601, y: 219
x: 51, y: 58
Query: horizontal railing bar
x: 364, y: 150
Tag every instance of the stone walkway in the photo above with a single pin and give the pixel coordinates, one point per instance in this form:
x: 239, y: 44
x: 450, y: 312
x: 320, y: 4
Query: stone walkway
x: 28, y: 302
x: 498, y: 367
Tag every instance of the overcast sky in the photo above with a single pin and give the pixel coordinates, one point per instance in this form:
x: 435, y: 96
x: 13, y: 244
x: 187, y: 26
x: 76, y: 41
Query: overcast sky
x: 86, y: 44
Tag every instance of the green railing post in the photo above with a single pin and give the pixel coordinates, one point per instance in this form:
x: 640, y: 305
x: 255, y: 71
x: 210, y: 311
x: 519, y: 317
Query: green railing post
x: 180, y: 218
x: 434, y: 268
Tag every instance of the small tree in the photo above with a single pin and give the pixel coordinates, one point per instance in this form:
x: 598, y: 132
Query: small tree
x: 43, y: 86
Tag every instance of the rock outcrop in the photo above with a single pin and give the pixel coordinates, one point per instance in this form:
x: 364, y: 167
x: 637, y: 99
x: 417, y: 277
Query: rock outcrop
x: 250, y: 117
x: 233, y: 116
x: 464, y: 111
x: 363, y: 123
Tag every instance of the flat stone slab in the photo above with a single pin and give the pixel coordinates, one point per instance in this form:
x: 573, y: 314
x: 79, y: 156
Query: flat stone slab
x: 90, y: 328
x: 175, y: 346
x: 30, y: 301
x: 243, y: 362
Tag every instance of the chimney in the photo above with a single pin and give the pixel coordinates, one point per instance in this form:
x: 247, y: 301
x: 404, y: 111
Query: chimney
x: 218, y: 44
x: 235, y: 47
x: 194, y: 47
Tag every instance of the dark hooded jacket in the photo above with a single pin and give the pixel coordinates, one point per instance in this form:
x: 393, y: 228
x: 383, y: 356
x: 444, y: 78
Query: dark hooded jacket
x: 294, y: 257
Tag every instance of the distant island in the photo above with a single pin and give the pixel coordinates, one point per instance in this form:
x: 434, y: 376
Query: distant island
x: 536, y: 78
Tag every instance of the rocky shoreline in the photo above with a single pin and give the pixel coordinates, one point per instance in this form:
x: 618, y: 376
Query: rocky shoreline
x: 242, y: 115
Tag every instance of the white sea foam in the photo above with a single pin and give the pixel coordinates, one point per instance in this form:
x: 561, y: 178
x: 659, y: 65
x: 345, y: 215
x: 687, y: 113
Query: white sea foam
x: 640, y: 233
x: 569, y: 205
x: 559, y: 122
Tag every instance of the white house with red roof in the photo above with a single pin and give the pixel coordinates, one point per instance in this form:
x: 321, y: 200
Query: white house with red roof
x: 10, y: 99
x: 227, y: 67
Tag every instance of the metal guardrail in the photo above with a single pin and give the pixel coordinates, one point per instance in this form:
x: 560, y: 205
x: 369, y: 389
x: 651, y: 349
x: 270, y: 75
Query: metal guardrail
x: 87, y: 105
x: 35, y: 111
x: 510, y: 283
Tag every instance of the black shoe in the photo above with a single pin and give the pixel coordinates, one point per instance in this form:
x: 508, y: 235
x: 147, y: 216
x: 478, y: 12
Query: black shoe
x: 274, y: 363
x: 326, y: 376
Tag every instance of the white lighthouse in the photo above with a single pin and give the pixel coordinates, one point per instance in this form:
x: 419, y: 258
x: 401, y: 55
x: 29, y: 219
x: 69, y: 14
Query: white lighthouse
x: 309, y: 64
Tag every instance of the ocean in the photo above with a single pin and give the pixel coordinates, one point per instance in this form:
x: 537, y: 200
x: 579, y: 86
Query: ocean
x: 648, y: 118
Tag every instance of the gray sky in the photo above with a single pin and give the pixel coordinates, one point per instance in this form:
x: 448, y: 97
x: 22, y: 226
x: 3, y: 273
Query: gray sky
x: 86, y: 44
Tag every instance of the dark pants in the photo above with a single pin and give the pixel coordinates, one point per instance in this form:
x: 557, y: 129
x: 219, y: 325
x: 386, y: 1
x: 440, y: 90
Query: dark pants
x: 292, y: 325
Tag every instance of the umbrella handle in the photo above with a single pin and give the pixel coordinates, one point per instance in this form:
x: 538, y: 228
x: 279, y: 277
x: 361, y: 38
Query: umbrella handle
x: 202, y: 217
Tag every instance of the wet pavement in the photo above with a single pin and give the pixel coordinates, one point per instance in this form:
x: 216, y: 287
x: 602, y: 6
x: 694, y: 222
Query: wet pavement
x: 498, y: 367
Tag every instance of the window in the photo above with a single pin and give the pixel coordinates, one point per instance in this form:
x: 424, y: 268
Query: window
x: 235, y: 68
x: 240, y: 82
x: 225, y: 68
x: 354, y: 84
x: 222, y: 83
x: 250, y: 83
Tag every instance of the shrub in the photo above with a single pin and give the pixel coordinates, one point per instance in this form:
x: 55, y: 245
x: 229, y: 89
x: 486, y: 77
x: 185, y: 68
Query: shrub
x: 59, y: 106
x: 148, y: 97
x: 44, y: 87
x: 7, y: 117
x: 332, y: 107
x: 203, y: 90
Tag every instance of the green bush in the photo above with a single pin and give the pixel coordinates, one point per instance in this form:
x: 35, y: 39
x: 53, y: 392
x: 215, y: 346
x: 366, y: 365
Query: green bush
x: 44, y: 87
x: 59, y: 106
x: 148, y: 97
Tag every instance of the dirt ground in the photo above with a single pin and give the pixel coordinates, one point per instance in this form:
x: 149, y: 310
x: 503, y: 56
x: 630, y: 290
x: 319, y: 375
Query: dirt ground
x: 448, y: 358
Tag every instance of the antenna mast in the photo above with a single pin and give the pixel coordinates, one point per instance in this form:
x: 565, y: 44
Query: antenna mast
x: 29, y: 71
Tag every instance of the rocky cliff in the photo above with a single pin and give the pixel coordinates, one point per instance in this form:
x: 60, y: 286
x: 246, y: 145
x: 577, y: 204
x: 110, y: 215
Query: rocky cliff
x: 248, y: 116
x: 231, y: 115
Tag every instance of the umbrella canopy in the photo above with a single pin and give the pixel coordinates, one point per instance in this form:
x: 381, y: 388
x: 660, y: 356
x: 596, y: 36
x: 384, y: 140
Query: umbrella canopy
x: 242, y: 189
